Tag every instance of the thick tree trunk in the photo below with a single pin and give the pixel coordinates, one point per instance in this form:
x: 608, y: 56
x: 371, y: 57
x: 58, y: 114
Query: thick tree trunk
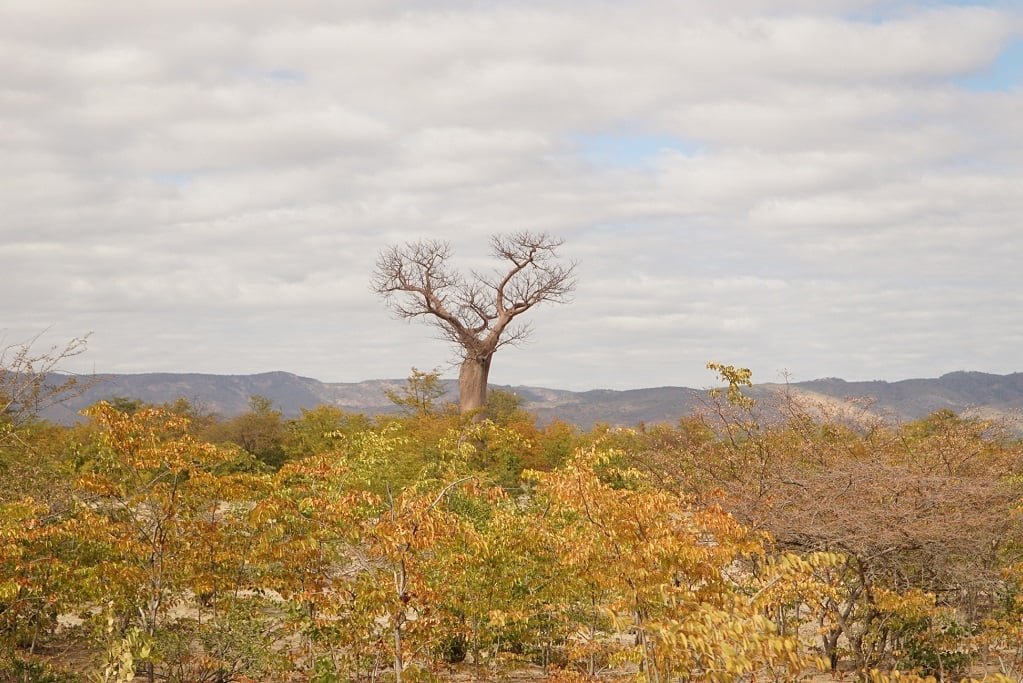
x: 472, y: 384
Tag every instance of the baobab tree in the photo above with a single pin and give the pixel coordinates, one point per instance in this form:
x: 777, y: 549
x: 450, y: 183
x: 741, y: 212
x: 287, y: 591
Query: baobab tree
x: 475, y: 313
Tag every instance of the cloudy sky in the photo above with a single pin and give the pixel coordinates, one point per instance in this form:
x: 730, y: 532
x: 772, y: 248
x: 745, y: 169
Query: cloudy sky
x: 824, y: 187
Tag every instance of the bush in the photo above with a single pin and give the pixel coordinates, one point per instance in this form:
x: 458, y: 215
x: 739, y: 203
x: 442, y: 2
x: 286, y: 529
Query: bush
x: 453, y: 648
x: 15, y: 669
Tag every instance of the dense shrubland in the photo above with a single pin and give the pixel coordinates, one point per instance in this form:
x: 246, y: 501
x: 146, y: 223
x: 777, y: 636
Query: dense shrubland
x: 751, y: 542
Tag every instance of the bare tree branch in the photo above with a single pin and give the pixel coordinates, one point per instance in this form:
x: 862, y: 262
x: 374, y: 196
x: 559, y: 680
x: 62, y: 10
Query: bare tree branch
x: 475, y: 313
x: 28, y: 383
x: 416, y: 280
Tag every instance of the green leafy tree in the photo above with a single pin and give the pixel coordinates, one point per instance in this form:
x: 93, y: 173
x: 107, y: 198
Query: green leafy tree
x: 420, y: 393
x: 320, y: 430
x: 261, y: 432
x: 505, y: 406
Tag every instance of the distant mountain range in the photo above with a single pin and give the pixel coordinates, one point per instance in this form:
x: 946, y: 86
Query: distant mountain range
x: 997, y: 396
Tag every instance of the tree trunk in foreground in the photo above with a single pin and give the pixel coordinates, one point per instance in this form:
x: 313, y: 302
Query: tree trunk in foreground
x: 472, y: 384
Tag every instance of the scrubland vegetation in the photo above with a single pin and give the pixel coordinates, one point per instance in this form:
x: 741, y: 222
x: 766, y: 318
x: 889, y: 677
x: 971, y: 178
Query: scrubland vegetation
x: 748, y: 543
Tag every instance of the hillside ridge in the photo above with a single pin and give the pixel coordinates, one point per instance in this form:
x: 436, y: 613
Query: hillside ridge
x: 962, y: 391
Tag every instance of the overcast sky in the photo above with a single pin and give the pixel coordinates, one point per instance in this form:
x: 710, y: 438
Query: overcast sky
x: 824, y: 187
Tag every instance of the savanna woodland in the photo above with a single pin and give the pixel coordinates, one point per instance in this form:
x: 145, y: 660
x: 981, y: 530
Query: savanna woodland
x: 753, y: 541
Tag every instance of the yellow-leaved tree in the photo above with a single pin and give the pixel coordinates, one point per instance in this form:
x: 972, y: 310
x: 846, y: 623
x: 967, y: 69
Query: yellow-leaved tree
x: 169, y: 524
x: 646, y: 563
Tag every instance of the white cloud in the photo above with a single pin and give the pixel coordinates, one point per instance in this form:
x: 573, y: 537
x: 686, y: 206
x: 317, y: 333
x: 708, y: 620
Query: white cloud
x: 206, y: 186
